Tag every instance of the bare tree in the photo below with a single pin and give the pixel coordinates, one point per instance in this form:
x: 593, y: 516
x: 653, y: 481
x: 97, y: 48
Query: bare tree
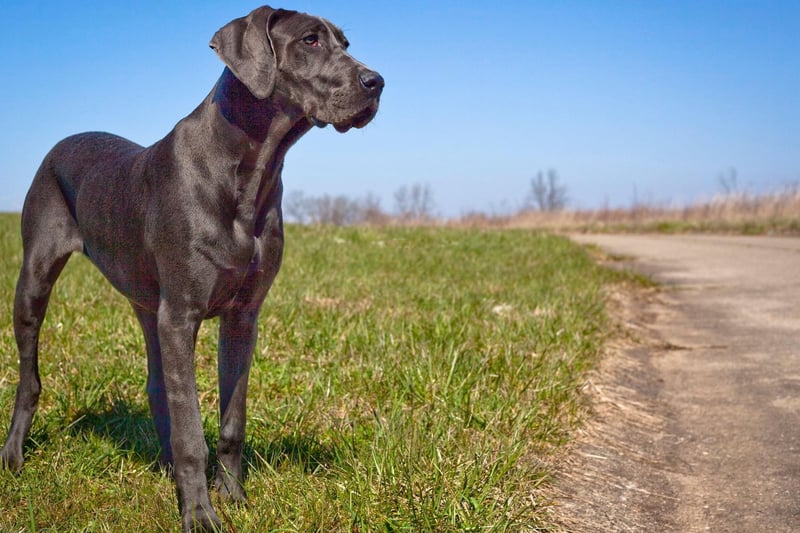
x: 337, y: 210
x: 414, y: 203
x: 547, y: 194
x: 729, y: 181
x: 370, y: 210
x: 296, y: 207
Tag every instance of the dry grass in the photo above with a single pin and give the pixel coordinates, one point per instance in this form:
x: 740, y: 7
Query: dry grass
x: 743, y: 213
x: 612, y: 472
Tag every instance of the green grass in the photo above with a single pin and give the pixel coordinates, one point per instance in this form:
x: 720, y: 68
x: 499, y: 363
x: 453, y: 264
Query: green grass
x: 772, y: 226
x: 406, y: 379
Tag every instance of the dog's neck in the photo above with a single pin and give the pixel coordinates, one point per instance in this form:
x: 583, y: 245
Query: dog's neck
x: 256, y: 133
x: 257, y: 118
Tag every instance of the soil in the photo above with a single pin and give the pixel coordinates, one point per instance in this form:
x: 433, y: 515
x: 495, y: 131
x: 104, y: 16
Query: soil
x: 696, y: 421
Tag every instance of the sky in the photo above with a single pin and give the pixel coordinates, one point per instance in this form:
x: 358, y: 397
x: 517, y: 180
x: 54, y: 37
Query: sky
x: 647, y: 101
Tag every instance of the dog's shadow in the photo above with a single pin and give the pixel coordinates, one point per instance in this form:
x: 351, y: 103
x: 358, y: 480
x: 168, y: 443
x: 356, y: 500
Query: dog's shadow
x: 130, y: 429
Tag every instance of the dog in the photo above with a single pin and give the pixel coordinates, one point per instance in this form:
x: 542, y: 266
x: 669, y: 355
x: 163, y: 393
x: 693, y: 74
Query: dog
x: 190, y: 228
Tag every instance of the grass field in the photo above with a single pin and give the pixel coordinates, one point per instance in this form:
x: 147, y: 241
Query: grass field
x: 406, y: 379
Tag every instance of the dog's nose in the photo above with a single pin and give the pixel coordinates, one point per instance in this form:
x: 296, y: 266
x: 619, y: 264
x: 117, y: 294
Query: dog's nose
x: 372, y: 81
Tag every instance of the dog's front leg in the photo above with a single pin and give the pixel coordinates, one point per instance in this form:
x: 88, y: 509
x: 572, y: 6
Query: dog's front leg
x: 237, y: 339
x: 177, y: 333
x: 156, y: 390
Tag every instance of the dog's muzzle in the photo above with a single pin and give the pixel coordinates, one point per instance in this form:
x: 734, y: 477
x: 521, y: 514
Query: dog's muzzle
x: 372, y: 83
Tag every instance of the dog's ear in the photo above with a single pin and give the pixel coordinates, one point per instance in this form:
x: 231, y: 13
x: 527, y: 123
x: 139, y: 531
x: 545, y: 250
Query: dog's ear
x: 245, y: 46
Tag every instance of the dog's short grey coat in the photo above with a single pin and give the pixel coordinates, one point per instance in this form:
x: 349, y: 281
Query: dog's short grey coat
x: 190, y: 228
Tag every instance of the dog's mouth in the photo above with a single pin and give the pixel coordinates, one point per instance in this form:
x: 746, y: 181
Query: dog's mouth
x: 359, y: 120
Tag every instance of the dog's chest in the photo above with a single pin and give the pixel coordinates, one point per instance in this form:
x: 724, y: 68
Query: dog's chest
x: 232, y: 263
x: 244, y: 280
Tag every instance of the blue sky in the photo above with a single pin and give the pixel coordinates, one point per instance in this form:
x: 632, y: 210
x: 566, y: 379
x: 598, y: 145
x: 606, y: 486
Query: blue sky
x: 652, y: 99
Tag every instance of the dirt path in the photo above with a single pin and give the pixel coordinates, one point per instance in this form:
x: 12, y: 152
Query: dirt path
x: 698, y: 424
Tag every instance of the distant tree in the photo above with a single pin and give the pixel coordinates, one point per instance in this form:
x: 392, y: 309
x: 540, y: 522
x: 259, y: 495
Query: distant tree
x: 337, y: 210
x: 334, y: 210
x: 296, y: 207
x: 370, y: 210
x: 546, y: 193
x: 414, y: 203
x: 729, y: 181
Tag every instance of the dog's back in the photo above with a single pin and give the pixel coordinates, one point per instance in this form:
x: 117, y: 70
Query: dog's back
x: 102, y: 158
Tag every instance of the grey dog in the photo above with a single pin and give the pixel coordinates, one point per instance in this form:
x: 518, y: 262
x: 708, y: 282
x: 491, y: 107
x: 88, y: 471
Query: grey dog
x: 190, y: 228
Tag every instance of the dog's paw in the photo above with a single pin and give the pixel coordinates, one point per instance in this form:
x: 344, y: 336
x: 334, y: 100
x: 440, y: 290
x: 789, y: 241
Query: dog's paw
x: 230, y: 489
x: 11, y: 458
x: 201, y: 519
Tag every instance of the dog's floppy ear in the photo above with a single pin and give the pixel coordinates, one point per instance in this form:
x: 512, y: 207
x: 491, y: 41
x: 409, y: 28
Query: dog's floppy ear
x: 245, y: 46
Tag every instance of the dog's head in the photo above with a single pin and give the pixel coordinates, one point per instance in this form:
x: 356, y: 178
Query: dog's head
x: 303, y: 59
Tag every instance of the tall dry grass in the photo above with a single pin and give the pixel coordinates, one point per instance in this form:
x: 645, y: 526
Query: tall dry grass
x: 771, y: 213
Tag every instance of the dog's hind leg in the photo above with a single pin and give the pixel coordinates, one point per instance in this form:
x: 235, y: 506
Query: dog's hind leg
x: 237, y: 339
x: 49, y: 235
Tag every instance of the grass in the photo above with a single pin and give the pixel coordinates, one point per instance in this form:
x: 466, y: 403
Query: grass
x: 406, y: 379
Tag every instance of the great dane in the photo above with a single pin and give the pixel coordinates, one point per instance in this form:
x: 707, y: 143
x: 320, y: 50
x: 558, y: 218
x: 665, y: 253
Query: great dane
x: 190, y: 228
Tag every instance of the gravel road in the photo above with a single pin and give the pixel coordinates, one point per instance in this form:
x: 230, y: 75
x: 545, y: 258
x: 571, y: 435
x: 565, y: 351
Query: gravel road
x: 699, y: 424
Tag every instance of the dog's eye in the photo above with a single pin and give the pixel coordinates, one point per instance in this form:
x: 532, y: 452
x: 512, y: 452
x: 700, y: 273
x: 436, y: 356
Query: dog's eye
x: 311, y: 40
